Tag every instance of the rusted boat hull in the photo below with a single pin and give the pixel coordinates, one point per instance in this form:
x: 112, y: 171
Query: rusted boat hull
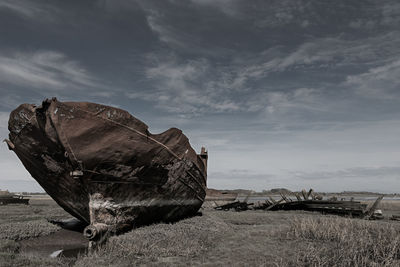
x: 104, y: 167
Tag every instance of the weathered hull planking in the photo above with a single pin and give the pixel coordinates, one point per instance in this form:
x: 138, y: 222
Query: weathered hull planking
x: 104, y: 167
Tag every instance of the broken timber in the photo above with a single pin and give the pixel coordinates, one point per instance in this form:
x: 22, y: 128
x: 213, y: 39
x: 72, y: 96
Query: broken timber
x: 332, y: 206
x: 325, y: 206
x: 316, y: 203
x: 237, y: 206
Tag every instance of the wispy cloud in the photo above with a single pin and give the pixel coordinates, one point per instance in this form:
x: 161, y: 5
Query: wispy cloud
x: 305, y: 99
x: 46, y: 74
x: 29, y: 9
x: 391, y: 13
x: 198, y: 87
x: 293, y: 75
x: 380, y: 82
x: 183, y: 88
x: 228, y: 7
x: 45, y: 69
x: 156, y: 22
x: 180, y: 39
x: 322, y: 53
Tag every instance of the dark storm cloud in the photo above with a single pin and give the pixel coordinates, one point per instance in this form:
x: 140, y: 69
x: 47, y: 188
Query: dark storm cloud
x: 196, y: 57
x: 273, y: 79
x: 273, y: 58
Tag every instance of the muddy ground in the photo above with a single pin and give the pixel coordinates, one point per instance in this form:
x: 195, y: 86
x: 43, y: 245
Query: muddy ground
x: 217, y: 238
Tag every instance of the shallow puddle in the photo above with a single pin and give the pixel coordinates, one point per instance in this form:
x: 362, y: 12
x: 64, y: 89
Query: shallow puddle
x: 63, y: 243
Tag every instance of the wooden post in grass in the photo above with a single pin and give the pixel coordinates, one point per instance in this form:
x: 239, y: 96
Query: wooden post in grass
x: 304, y: 193
x: 310, y: 193
x: 371, y: 210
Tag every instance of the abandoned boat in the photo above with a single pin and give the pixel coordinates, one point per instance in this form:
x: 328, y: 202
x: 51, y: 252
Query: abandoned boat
x: 105, y: 168
x: 8, y: 198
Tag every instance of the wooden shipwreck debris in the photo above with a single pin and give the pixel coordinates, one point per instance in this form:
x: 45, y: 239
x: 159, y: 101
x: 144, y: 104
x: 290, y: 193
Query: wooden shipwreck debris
x: 325, y: 206
x: 370, y: 211
x: 395, y: 217
x: 274, y: 204
x: 104, y: 167
x: 8, y: 198
x: 312, y: 202
x: 237, y: 206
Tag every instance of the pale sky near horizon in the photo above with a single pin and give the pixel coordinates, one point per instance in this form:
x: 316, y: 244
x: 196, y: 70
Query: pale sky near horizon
x: 293, y: 94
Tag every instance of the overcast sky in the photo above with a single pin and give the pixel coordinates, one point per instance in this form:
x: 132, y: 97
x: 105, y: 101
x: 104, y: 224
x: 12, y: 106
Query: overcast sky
x: 284, y: 93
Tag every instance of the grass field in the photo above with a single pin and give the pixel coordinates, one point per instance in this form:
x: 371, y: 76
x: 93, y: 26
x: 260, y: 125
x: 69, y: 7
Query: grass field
x: 217, y: 238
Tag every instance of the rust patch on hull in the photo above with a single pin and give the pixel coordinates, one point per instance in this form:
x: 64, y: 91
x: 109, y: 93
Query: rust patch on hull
x: 104, y: 167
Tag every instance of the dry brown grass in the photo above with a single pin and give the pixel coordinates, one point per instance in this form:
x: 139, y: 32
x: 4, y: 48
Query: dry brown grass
x: 26, y: 221
x: 251, y: 238
x: 215, y: 239
x: 12, y: 260
x: 390, y: 205
x: 22, y: 230
x: 161, y: 244
x: 21, y: 222
x: 337, y: 241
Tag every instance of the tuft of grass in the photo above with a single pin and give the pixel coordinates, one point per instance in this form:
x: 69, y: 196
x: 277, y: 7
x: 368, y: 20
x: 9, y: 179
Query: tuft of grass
x: 9, y: 246
x: 19, y: 222
x: 163, y: 244
x: 9, y: 259
x: 23, y: 230
x: 337, y: 241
